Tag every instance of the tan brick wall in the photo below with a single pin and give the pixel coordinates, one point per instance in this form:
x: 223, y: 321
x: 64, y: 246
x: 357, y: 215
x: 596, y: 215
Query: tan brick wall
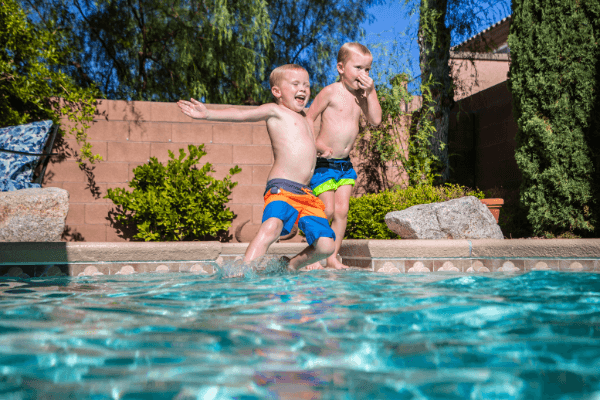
x: 127, y: 134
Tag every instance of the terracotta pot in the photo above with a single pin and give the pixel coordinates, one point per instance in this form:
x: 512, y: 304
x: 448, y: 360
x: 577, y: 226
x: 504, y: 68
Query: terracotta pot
x: 494, y: 206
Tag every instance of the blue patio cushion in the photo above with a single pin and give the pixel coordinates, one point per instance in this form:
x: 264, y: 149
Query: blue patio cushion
x: 16, y: 170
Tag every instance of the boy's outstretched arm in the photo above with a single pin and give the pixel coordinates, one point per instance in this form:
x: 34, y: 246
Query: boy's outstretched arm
x: 198, y: 110
x: 373, y: 108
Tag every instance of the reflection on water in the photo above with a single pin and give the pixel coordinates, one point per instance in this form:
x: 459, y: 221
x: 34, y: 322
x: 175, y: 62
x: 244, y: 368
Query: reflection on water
x: 262, y: 333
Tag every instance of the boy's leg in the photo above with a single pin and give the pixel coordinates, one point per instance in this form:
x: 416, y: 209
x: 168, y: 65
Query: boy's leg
x: 268, y: 233
x: 339, y: 221
x: 320, y: 249
x: 328, y: 198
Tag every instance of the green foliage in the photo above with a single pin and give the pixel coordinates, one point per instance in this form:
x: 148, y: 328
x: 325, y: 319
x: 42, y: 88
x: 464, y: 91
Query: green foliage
x: 163, y: 51
x: 366, y: 217
x: 310, y: 33
x: 32, y: 86
x: 422, y: 165
x: 383, y: 144
x: 177, y: 201
x: 554, y: 85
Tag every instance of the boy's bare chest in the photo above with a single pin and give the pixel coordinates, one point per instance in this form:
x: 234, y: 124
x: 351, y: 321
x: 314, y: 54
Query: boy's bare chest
x: 291, y: 125
x: 344, y: 106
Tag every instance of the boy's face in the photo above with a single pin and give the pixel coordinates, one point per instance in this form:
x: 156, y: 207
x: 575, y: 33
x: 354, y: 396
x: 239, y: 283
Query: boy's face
x: 294, y: 90
x: 356, y: 65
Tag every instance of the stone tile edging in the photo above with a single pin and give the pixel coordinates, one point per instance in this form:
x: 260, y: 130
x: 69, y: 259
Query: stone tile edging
x: 388, y: 256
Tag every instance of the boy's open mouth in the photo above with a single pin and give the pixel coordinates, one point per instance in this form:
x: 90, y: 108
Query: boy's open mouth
x: 300, y: 98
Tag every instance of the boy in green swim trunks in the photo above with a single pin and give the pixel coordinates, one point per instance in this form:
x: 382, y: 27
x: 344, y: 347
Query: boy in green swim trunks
x: 288, y: 198
x: 340, y: 106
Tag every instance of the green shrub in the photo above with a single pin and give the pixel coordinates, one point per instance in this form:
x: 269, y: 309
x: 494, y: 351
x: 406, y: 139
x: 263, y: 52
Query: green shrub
x: 366, y: 217
x: 555, y: 56
x: 176, y: 201
x: 33, y: 84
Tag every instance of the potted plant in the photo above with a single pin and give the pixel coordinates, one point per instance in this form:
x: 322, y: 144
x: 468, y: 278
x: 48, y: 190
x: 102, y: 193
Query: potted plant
x: 494, y: 206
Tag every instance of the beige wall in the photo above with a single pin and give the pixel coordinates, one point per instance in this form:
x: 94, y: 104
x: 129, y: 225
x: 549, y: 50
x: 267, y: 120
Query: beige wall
x: 127, y: 134
x: 475, y: 72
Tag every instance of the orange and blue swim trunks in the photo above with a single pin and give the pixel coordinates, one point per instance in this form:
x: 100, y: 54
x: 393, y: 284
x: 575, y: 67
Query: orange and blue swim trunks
x: 295, y: 203
x: 331, y: 173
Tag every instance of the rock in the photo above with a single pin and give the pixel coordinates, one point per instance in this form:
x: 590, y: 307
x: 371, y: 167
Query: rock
x: 33, y: 215
x: 464, y: 218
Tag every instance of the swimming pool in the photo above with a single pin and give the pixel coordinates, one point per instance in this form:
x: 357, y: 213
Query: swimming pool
x: 311, y: 335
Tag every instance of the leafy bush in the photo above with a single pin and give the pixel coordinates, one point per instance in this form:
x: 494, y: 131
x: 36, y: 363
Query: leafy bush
x: 176, y: 201
x: 366, y: 217
x: 555, y: 56
x: 33, y: 86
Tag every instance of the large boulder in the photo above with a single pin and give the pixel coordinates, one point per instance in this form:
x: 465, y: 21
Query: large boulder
x: 464, y: 218
x: 33, y: 215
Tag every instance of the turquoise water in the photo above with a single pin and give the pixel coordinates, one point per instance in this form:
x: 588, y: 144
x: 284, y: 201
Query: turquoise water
x: 311, y: 335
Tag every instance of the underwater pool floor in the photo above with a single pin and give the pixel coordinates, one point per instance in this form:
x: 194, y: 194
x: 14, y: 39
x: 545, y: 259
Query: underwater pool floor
x: 308, y: 335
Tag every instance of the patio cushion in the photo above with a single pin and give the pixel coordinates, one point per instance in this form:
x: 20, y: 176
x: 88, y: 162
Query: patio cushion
x: 16, y: 170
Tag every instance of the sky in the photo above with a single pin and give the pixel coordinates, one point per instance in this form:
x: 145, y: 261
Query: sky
x: 393, y: 24
x: 391, y: 37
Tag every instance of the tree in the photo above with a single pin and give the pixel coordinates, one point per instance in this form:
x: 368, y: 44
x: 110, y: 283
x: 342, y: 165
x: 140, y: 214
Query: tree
x: 554, y: 77
x: 434, y: 56
x: 32, y: 85
x: 439, y: 22
x: 310, y: 32
x: 164, y: 50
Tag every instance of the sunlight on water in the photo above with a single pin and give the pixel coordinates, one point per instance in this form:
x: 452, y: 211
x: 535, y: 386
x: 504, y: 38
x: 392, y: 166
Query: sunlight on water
x: 264, y: 333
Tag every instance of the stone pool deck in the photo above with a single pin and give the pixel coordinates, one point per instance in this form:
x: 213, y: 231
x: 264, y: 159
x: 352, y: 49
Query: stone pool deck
x: 383, y: 256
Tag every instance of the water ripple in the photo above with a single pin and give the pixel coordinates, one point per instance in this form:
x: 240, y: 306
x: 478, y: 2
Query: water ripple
x: 323, y: 334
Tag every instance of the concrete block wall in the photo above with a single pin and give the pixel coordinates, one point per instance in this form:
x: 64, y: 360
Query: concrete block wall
x: 127, y: 134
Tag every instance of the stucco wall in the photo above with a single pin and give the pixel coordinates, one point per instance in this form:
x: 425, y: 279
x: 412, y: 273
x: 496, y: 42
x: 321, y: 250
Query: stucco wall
x: 474, y: 72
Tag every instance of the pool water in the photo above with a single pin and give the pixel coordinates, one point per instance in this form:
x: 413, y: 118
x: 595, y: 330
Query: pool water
x: 311, y: 335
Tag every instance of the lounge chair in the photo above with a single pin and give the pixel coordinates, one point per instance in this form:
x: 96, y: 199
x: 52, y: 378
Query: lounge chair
x: 23, y: 149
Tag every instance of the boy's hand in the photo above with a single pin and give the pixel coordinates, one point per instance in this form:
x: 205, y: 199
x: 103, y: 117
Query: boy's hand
x: 326, y: 152
x: 367, y: 84
x: 193, y: 108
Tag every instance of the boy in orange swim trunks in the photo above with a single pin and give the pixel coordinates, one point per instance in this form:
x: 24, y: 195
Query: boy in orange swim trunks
x: 340, y: 106
x: 288, y: 198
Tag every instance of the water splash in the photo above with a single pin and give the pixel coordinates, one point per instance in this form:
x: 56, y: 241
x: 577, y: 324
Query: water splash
x: 263, y: 266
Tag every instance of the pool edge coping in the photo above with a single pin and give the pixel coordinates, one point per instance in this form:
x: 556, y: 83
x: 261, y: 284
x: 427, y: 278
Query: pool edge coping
x: 94, y: 252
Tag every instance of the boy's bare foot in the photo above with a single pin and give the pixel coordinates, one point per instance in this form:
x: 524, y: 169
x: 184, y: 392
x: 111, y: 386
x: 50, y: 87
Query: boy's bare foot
x: 336, y: 265
x: 313, y: 266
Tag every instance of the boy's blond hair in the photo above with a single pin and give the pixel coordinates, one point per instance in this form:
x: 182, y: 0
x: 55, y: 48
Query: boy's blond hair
x: 348, y: 48
x: 278, y: 73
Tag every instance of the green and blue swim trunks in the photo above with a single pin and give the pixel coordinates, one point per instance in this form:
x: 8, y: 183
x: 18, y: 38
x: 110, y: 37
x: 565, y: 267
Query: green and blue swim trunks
x: 331, y: 173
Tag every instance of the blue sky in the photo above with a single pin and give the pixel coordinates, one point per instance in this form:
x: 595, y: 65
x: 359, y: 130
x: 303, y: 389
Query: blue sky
x: 391, y: 35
